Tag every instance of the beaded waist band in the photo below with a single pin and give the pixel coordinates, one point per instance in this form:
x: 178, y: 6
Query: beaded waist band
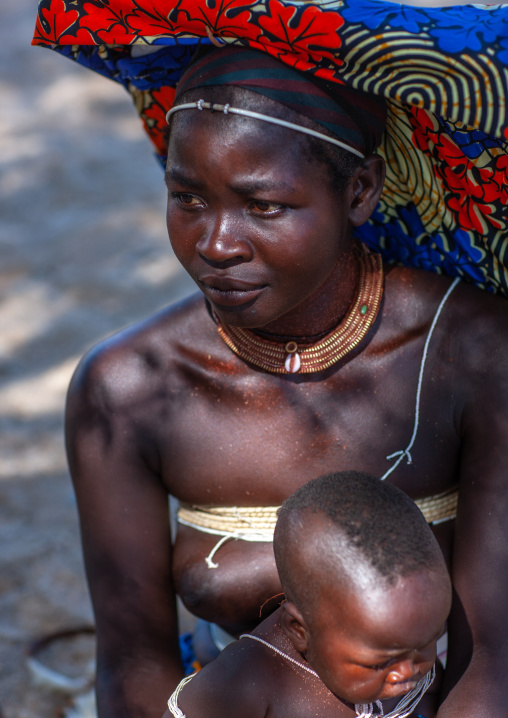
x: 257, y: 523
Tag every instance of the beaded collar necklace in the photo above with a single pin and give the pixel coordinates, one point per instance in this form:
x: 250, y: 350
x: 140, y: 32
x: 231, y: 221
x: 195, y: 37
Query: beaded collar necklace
x: 304, y: 358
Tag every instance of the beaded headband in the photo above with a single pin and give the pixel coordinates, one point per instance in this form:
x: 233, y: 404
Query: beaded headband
x: 227, y: 110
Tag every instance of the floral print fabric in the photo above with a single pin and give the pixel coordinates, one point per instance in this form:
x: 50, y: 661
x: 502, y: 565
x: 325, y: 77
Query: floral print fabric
x: 443, y: 72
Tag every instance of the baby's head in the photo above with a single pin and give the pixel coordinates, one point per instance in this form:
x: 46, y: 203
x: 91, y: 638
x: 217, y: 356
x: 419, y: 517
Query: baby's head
x: 366, y: 585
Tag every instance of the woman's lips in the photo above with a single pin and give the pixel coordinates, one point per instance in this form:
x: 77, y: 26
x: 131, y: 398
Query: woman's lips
x: 226, y: 292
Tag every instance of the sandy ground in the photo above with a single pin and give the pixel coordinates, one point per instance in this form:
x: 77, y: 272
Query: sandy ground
x: 84, y: 252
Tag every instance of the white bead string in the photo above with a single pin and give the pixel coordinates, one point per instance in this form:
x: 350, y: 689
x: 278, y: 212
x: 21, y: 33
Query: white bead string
x: 406, y: 452
x: 227, y: 109
x: 281, y: 653
x: 173, y: 700
x: 404, y: 707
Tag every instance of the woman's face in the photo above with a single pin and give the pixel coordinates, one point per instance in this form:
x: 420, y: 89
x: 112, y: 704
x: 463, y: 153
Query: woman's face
x: 251, y: 219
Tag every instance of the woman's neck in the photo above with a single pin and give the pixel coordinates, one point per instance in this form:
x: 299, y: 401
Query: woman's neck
x: 324, y: 309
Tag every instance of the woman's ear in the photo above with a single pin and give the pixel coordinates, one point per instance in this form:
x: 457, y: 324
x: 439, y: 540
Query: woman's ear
x: 365, y: 189
x: 294, y: 626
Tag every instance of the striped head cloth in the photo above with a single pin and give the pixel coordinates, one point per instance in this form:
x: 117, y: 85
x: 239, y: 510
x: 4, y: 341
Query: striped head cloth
x: 355, y: 118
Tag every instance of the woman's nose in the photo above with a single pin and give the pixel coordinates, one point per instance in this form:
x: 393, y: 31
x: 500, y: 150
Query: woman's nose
x: 223, y: 241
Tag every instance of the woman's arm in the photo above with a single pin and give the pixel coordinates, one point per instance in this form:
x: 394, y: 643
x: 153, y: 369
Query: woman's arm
x: 478, y: 629
x: 123, y: 509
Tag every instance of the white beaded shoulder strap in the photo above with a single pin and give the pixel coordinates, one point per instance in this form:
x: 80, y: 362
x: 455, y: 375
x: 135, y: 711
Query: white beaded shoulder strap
x: 407, y: 451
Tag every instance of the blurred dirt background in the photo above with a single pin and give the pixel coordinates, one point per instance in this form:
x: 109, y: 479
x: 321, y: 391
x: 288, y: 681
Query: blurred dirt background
x: 83, y: 252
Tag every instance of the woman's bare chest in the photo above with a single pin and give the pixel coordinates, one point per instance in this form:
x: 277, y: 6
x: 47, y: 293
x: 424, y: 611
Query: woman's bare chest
x: 255, y: 442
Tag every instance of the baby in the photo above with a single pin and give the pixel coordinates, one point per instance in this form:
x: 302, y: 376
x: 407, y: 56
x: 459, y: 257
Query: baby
x: 367, y: 594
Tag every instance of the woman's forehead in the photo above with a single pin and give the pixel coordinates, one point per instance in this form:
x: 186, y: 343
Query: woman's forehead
x: 216, y: 133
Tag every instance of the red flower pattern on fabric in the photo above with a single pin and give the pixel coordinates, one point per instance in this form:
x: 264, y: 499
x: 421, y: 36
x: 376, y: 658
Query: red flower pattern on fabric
x: 154, y: 115
x: 55, y: 22
x: 500, y: 177
x: 472, y: 190
x: 227, y: 18
x: 149, y: 18
x: 309, y: 36
x: 108, y: 23
x: 327, y: 73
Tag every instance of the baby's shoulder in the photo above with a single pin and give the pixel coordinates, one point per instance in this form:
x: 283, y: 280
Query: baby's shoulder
x: 251, y: 679
x: 236, y: 684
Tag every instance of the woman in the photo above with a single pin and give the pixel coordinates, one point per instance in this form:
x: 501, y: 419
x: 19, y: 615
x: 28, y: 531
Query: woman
x: 302, y: 358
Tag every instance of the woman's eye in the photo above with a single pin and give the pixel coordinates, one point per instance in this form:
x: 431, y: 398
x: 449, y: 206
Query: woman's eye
x: 186, y: 200
x: 264, y: 207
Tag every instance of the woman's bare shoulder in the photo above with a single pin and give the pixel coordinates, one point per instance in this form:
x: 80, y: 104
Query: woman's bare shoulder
x: 411, y: 292
x: 135, y: 359
x: 470, y: 324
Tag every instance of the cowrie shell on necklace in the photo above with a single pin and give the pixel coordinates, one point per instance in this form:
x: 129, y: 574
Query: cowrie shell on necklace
x: 293, y: 361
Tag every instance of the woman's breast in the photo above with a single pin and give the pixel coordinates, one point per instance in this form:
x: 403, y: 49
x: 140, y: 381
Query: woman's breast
x: 234, y: 593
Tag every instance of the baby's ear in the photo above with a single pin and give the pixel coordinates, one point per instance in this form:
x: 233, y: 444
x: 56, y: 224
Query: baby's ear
x: 294, y: 626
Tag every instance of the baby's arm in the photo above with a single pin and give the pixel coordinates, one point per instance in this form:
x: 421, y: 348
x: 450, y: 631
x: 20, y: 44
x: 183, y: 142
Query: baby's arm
x: 232, y: 686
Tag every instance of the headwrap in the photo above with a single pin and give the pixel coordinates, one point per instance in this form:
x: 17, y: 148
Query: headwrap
x: 354, y: 117
x: 443, y: 72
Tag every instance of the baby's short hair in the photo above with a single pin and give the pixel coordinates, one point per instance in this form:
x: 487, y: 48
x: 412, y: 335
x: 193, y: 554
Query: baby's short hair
x: 373, y: 518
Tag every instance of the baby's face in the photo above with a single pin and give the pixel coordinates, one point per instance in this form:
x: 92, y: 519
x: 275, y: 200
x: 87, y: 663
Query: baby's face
x: 378, y: 643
